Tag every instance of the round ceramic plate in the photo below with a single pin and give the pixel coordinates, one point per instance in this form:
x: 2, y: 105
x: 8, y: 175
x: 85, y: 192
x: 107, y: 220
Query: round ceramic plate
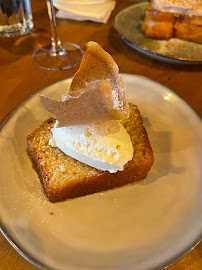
x: 128, y: 25
x: 146, y: 225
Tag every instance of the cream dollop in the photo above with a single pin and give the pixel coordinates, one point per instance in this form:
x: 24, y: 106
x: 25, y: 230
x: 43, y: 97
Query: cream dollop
x: 106, y: 146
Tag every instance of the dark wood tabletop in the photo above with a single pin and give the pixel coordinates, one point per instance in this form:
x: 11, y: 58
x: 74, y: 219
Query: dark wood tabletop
x: 20, y: 78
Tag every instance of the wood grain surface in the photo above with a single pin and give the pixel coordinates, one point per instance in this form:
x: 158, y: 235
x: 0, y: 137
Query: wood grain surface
x: 20, y: 78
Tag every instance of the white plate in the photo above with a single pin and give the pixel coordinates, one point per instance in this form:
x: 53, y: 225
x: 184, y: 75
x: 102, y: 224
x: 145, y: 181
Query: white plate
x: 141, y: 226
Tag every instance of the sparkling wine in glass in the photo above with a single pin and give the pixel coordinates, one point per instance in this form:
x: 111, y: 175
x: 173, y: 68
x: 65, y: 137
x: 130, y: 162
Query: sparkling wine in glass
x: 59, y: 55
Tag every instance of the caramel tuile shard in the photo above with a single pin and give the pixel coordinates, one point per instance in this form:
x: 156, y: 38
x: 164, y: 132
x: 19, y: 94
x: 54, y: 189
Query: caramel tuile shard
x: 97, y: 92
x: 93, y: 104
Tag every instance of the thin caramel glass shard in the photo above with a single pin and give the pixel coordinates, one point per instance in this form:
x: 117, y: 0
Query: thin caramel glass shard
x: 97, y: 92
x: 94, y: 104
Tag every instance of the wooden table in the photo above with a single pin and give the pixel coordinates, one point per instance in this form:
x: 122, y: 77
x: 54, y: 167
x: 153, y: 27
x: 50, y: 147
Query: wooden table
x: 20, y: 78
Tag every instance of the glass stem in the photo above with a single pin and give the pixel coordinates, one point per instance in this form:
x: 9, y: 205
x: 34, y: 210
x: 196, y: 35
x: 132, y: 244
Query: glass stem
x: 55, y: 42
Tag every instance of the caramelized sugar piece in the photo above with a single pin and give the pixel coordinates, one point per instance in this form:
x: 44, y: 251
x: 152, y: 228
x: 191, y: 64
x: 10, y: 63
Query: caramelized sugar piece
x: 97, y: 92
x: 93, y: 104
x: 97, y: 64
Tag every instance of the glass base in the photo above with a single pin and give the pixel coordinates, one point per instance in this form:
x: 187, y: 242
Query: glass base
x: 17, y: 29
x: 69, y: 56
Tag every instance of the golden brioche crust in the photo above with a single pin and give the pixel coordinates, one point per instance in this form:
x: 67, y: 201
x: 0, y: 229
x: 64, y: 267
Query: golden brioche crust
x: 63, y: 177
x: 158, y: 30
x: 189, y: 29
x: 164, y: 25
x: 158, y: 24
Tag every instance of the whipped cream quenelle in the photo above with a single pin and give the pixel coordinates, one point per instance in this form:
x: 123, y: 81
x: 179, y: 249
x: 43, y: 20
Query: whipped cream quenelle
x: 106, y: 146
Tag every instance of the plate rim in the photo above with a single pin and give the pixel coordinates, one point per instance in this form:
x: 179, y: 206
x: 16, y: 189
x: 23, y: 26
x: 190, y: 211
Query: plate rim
x: 42, y: 266
x: 147, y: 52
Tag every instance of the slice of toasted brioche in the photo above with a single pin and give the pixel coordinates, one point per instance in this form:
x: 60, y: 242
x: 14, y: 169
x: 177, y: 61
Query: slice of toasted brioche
x: 158, y: 24
x: 189, y: 28
x: 64, y: 177
x: 165, y: 19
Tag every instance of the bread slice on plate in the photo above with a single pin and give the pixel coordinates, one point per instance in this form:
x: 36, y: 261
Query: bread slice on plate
x: 157, y: 24
x: 165, y: 19
x: 64, y: 177
x: 97, y: 92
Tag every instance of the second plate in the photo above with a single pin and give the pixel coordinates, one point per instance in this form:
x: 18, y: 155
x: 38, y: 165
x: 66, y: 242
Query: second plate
x: 128, y: 25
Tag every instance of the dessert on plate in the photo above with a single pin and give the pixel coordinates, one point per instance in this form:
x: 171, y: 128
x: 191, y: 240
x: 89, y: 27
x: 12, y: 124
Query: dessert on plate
x: 96, y: 140
x: 182, y: 19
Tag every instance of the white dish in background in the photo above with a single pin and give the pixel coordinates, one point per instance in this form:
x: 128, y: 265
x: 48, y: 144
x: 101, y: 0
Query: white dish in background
x: 142, y: 226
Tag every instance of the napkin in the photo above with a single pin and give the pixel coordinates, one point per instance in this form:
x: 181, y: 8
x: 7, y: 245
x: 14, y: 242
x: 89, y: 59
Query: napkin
x: 83, y: 10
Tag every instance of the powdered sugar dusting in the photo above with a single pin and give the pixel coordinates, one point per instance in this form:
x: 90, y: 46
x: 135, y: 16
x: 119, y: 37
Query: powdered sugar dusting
x: 182, y: 7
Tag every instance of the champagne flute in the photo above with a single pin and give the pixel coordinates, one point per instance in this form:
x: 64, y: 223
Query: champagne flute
x: 59, y: 55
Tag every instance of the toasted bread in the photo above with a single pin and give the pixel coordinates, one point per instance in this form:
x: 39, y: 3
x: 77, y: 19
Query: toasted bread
x: 63, y: 177
x: 189, y: 28
x: 165, y: 19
